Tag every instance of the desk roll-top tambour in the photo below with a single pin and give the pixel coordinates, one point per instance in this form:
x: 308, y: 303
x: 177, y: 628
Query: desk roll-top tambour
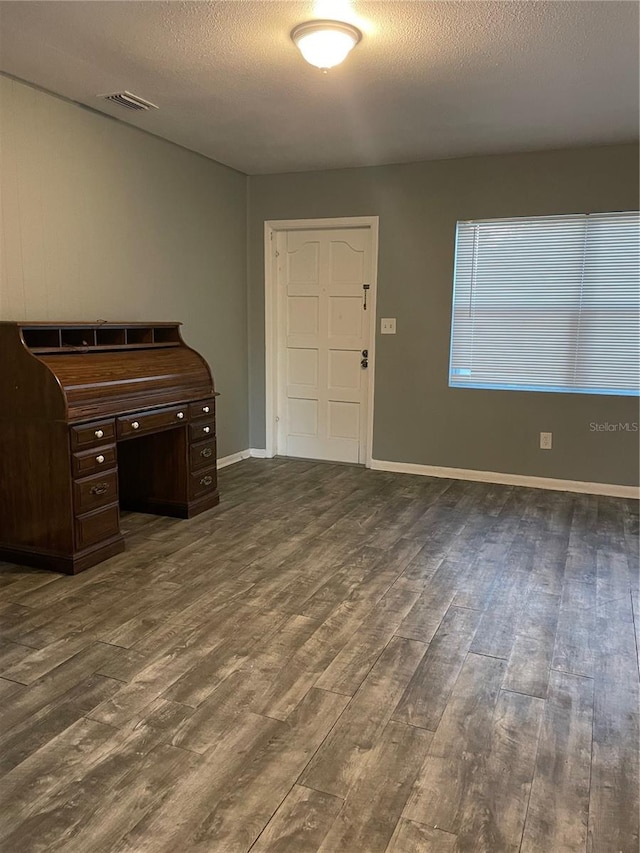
x: 95, y: 418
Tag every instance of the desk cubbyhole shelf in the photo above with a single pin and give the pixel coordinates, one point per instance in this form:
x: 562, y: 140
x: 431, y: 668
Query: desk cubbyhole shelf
x: 78, y: 338
x: 137, y: 335
x: 166, y: 335
x: 42, y: 338
x: 49, y: 339
x: 106, y: 337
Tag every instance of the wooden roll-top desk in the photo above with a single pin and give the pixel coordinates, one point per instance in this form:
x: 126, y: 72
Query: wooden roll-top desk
x: 94, y: 418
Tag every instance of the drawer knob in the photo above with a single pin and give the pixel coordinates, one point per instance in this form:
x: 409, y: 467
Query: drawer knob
x: 100, y: 459
x: 205, y: 409
x: 207, y: 452
x: 180, y: 415
x: 206, y: 429
x: 135, y: 425
x: 206, y: 481
x: 99, y: 489
x: 98, y: 433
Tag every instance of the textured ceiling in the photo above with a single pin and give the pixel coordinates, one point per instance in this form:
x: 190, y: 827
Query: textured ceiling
x: 429, y: 79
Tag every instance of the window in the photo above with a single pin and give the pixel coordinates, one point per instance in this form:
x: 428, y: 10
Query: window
x: 547, y: 303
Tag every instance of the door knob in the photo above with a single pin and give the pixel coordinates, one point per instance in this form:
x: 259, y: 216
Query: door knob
x: 364, y: 363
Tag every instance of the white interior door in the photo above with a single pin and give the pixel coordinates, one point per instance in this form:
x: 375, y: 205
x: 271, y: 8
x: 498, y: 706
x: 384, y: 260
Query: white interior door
x: 323, y: 326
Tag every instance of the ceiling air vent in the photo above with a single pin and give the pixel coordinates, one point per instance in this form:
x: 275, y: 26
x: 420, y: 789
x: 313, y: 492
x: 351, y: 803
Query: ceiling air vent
x: 129, y: 101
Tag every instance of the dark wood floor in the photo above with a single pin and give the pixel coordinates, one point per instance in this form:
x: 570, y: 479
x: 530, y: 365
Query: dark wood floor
x: 334, y: 660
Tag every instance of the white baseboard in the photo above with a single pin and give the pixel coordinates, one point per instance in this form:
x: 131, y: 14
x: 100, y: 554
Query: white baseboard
x: 609, y: 489
x: 256, y: 452
x: 233, y: 458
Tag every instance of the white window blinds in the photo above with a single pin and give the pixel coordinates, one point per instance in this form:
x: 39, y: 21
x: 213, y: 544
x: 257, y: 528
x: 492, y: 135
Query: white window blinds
x: 547, y: 303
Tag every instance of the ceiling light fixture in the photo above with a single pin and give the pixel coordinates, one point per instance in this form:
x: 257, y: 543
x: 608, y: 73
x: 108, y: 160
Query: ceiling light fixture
x: 325, y: 43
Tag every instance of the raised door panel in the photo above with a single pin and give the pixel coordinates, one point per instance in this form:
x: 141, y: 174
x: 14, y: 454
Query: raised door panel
x: 302, y: 372
x: 345, y: 376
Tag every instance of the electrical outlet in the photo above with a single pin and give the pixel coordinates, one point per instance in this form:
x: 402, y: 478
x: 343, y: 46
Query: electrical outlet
x: 546, y: 440
x: 388, y: 326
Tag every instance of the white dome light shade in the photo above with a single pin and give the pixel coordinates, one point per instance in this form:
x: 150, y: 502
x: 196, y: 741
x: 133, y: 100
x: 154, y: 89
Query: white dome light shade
x: 325, y: 43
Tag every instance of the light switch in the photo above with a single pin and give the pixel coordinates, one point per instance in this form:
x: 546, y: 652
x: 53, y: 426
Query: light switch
x: 388, y: 326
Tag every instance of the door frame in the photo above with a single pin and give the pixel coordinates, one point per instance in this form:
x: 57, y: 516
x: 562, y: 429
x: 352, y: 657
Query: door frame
x: 271, y: 331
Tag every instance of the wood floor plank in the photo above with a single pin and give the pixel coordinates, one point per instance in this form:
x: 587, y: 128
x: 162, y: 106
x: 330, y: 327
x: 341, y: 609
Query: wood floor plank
x: 349, y: 668
x: 302, y: 671
x: 241, y: 783
x: 300, y: 824
x: 197, y: 601
x: 550, y: 560
x: 530, y: 660
x: 232, y: 653
x: 412, y: 837
x: 339, y: 760
x: 243, y: 689
x: 427, y: 694
x: 615, y: 774
x: 23, y: 580
x: 12, y: 653
x: 10, y: 688
x: 21, y: 740
x: 495, y: 803
x: 394, y: 526
x: 558, y: 812
x: 503, y: 608
x: 424, y: 565
x: 613, y: 587
x: 575, y: 649
x: 479, y: 581
x: 23, y: 704
x: 635, y: 605
x: 370, y: 573
x: 130, y: 798
x: 375, y: 800
x: 610, y: 525
x: 37, y: 778
x: 160, y: 674
x: 422, y: 621
x: 103, y: 605
x: 438, y: 528
x: 460, y: 746
x: 42, y: 661
x: 68, y: 805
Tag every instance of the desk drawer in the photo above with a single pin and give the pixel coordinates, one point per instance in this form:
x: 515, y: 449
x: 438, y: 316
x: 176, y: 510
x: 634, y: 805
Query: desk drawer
x: 202, y: 409
x: 200, y: 431
x: 203, y: 482
x: 90, y: 435
x: 151, y: 421
x: 93, y: 492
x: 96, y: 526
x: 93, y: 461
x: 202, y: 454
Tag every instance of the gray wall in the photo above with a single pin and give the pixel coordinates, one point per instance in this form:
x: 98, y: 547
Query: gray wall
x: 103, y: 221
x: 417, y: 417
